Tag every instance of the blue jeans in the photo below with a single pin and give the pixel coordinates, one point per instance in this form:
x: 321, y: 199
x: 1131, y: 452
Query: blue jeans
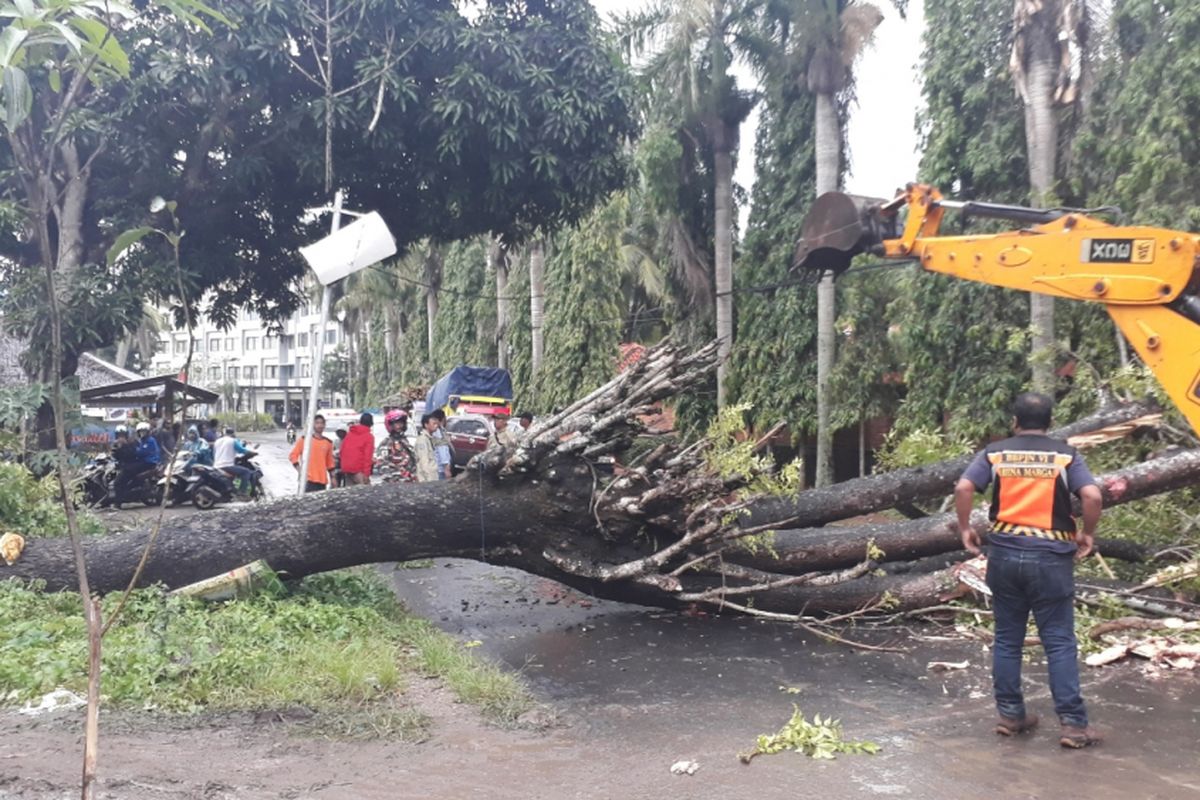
x: 241, y: 473
x: 1044, y: 583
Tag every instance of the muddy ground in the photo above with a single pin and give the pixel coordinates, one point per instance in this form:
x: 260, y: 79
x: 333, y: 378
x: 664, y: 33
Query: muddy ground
x: 634, y: 691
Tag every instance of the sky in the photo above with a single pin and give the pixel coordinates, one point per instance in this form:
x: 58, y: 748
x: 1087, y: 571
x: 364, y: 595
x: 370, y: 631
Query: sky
x: 882, y: 139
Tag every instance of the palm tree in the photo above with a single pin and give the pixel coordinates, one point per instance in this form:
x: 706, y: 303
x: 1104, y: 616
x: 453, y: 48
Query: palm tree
x: 689, y: 46
x: 537, y: 302
x: 1047, y: 66
x: 820, y: 39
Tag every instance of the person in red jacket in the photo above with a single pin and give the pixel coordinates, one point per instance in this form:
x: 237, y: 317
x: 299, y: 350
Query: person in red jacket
x: 358, y: 451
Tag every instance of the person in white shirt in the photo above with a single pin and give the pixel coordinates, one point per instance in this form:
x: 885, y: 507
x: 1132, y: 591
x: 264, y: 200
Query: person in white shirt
x: 225, y: 452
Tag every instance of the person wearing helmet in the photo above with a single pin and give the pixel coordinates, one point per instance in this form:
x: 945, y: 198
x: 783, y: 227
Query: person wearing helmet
x: 395, y: 455
x: 146, y: 457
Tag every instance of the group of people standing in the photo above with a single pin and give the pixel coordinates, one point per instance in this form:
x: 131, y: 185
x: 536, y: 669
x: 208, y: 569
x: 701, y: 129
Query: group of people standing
x: 353, y: 457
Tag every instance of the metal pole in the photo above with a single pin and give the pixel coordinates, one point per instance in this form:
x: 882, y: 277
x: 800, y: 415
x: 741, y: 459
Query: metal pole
x: 302, y: 481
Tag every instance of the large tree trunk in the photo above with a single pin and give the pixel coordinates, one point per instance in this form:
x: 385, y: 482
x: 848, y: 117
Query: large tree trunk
x: 433, y: 285
x: 659, y: 534
x: 723, y: 248
x: 498, y: 261
x: 888, y: 489
x: 1036, y: 87
x: 828, y: 133
x: 537, y: 302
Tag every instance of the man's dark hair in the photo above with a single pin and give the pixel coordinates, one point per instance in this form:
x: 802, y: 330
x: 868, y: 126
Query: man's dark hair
x: 1032, y: 411
x: 425, y: 419
x: 526, y: 415
x: 318, y: 417
x: 438, y: 414
x: 366, y: 419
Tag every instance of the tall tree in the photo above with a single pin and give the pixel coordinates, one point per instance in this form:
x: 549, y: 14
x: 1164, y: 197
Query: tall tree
x: 537, y: 302
x: 688, y: 47
x: 844, y: 28
x: 583, y: 307
x: 973, y: 146
x: 491, y: 123
x: 1048, y: 48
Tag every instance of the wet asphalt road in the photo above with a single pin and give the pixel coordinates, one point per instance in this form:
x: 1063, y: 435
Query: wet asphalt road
x: 672, y: 687
x: 643, y: 688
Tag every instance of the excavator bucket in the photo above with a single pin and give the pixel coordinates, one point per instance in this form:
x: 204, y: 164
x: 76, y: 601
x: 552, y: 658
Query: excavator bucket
x: 838, y: 227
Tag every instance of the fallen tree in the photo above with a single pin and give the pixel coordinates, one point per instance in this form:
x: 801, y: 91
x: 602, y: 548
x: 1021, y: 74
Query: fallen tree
x: 667, y: 530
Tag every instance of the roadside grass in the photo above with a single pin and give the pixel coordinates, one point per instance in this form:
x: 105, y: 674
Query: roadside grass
x: 338, y: 644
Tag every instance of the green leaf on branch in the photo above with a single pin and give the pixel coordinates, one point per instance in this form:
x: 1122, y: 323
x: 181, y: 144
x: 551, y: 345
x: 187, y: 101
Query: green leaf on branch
x: 101, y: 43
x: 821, y: 738
x: 125, y: 241
x: 10, y: 40
x: 18, y: 97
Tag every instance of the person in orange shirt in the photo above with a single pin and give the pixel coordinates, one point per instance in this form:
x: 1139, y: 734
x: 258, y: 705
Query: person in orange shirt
x: 320, y: 461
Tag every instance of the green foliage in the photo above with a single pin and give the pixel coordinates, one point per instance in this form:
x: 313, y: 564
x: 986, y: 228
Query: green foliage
x: 464, y: 332
x: 730, y: 453
x: 246, y: 421
x: 773, y: 367
x: 1139, y: 146
x: 527, y: 127
x: 819, y: 739
x: 30, y: 505
x: 339, y: 641
x: 583, y: 310
x: 919, y: 447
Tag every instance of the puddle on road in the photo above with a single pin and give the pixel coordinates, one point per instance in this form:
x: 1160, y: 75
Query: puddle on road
x: 667, y: 682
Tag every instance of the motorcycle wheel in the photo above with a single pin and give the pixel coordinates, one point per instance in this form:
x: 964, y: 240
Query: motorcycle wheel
x: 153, y: 497
x: 204, y: 498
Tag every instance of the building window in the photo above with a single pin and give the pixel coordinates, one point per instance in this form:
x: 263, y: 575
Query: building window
x: 233, y: 373
x: 305, y: 370
x: 214, y: 344
x: 251, y: 314
x: 229, y: 343
x: 287, y: 370
x: 251, y: 343
x: 268, y: 343
x: 288, y: 340
x: 270, y: 371
x: 198, y: 345
x: 249, y: 373
x: 303, y: 339
x: 330, y: 337
x: 214, y: 373
x: 180, y: 347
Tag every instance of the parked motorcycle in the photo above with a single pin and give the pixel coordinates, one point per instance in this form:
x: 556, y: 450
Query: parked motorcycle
x: 183, y: 479
x: 216, y: 486
x: 98, y: 475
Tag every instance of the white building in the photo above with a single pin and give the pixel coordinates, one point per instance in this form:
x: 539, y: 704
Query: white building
x: 252, y: 368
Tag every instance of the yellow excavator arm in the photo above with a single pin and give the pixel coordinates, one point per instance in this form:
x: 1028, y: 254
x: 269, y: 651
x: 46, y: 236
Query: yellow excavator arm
x: 1148, y: 279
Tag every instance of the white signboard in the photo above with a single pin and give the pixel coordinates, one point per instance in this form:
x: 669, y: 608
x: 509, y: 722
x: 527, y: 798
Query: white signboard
x: 360, y: 244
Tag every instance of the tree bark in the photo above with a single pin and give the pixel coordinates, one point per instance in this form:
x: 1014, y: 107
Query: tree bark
x: 537, y: 301
x: 828, y: 156
x: 1041, y: 143
x: 821, y: 549
x: 888, y: 489
x: 723, y: 249
x: 498, y: 261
